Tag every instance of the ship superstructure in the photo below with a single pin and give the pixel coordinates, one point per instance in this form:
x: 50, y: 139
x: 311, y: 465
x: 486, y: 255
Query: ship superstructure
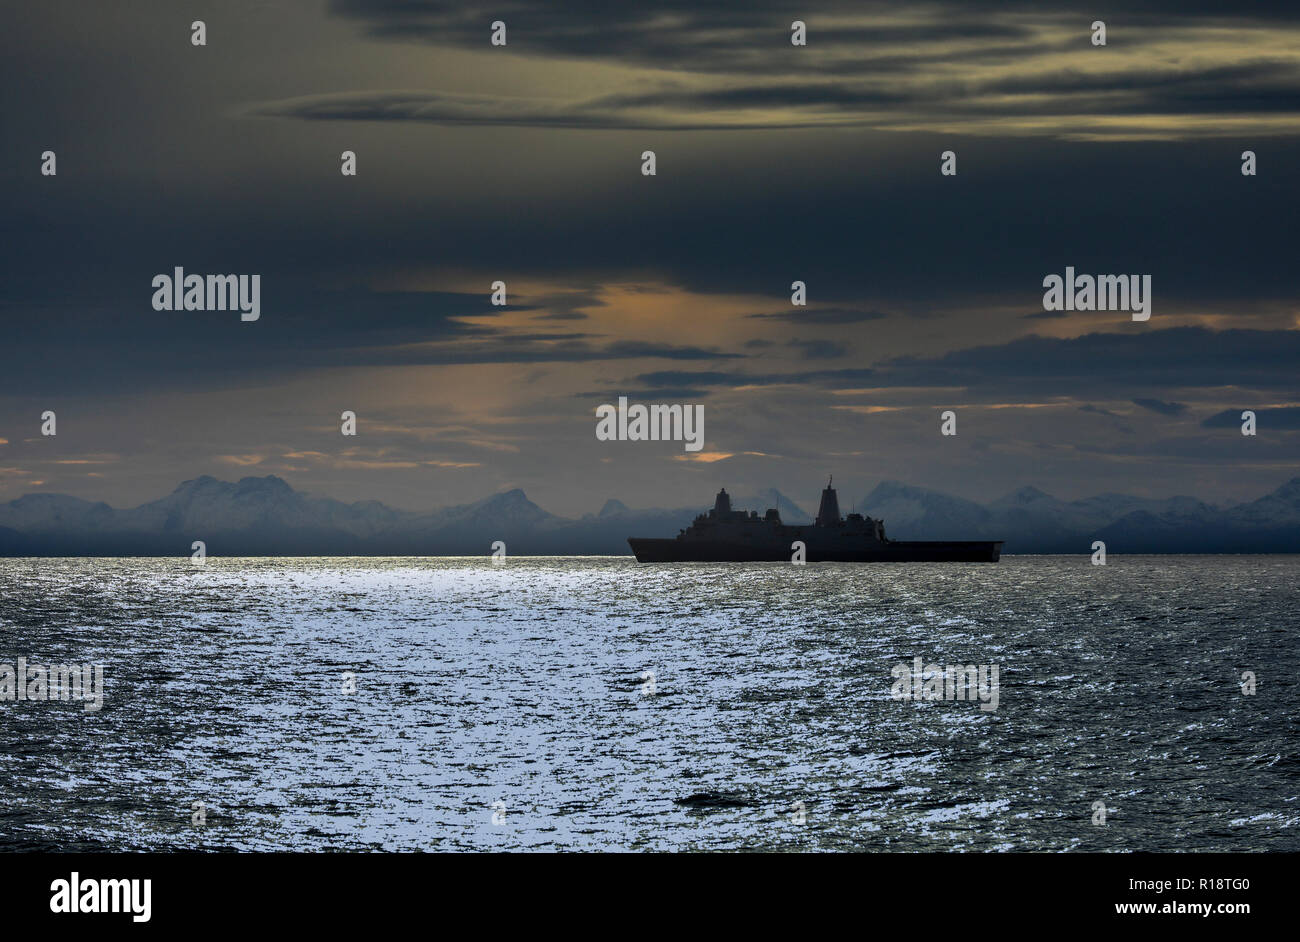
x: 726, y: 535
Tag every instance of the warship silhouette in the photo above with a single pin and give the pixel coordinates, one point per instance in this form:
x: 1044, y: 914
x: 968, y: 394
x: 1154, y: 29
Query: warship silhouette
x: 726, y: 535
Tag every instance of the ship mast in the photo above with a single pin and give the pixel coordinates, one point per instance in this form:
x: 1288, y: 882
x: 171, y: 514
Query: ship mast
x: 828, y: 514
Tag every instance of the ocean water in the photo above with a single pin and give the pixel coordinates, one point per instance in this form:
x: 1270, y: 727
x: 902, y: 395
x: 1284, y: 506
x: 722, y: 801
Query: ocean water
x: 522, y: 692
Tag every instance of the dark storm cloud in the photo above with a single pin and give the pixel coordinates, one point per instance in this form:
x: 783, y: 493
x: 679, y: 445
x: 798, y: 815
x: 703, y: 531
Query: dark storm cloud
x: 681, y: 379
x: 1162, y: 407
x: 823, y: 315
x: 855, y: 214
x: 675, y: 34
x: 635, y: 395
x: 470, y: 110
x: 1265, y: 85
x: 1038, y: 366
x: 677, y: 379
x: 819, y: 349
x: 631, y: 349
x: 888, y: 66
x: 563, y: 305
x: 1287, y: 418
x: 721, y: 36
x: 808, y: 105
x: 1179, y: 356
x: 467, y: 175
x: 127, y: 348
x: 295, y: 319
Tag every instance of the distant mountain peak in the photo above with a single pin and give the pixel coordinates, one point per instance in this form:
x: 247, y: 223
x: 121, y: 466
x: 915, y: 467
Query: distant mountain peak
x: 898, y: 488
x: 1023, y: 495
x: 267, y: 516
x: 50, y: 500
x: 270, y: 484
x: 1290, y: 491
x: 203, y: 481
x: 512, y: 505
x: 768, y: 498
x: 613, y: 508
x: 515, y: 497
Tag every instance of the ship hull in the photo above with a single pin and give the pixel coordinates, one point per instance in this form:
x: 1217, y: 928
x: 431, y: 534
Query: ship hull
x: 893, y: 551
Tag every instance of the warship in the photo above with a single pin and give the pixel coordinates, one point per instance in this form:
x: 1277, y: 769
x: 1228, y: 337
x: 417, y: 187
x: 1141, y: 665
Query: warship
x: 726, y: 535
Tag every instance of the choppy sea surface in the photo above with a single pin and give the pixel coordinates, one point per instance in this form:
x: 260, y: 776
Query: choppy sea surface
x: 512, y: 707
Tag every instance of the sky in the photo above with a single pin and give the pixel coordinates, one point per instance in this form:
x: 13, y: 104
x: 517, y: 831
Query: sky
x: 774, y: 164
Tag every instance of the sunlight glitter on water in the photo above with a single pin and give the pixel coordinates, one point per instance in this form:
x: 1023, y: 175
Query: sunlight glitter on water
x: 525, y: 684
